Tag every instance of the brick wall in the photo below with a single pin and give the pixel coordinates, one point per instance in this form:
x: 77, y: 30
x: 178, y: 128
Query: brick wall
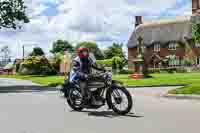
x: 164, y: 51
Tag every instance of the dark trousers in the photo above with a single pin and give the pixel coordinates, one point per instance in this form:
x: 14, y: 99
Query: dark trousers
x: 83, y: 83
x: 83, y: 87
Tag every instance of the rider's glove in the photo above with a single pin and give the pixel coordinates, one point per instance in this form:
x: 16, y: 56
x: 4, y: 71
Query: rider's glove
x: 82, y: 75
x: 85, y: 76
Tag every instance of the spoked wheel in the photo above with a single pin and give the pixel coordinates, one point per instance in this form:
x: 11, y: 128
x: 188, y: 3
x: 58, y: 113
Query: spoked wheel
x: 75, y: 99
x: 120, y: 101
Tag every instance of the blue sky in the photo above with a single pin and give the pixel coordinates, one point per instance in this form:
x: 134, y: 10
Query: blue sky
x: 103, y: 21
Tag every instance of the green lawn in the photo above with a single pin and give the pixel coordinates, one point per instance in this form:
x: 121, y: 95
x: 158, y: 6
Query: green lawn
x: 191, y: 79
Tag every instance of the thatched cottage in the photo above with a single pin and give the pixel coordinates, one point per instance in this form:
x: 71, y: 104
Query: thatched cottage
x: 165, y: 38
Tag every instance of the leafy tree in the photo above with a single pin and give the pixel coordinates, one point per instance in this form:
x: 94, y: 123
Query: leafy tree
x: 190, y: 55
x: 196, y: 31
x: 114, y: 50
x: 37, y: 51
x: 60, y: 46
x: 5, y: 51
x: 57, y: 60
x: 11, y: 13
x: 93, y: 47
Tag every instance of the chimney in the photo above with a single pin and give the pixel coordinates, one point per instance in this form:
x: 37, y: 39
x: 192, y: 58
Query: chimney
x: 195, y: 6
x: 138, y: 20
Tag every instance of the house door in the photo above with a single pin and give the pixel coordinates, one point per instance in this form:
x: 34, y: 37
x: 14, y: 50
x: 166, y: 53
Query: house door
x: 198, y: 60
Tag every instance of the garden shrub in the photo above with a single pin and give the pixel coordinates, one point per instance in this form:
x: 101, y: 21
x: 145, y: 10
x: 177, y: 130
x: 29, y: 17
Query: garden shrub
x: 36, y: 65
x: 107, y: 62
x: 126, y: 71
x: 168, y: 70
x: 154, y: 71
x: 115, y: 62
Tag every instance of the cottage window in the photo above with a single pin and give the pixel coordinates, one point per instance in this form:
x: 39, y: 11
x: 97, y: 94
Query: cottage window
x: 172, y: 46
x: 157, y: 47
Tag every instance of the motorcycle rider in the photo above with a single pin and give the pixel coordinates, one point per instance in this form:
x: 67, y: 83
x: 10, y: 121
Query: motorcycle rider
x: 82, y: 69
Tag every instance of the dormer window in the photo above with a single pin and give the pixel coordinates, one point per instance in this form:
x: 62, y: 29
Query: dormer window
x: 156, y: 47
x: 172, y: 46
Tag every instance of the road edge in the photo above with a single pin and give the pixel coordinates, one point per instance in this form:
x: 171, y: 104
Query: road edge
x: 182, y: 96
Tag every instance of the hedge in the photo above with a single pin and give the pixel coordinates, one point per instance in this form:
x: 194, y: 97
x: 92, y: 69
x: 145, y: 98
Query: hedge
x: 115, y: 62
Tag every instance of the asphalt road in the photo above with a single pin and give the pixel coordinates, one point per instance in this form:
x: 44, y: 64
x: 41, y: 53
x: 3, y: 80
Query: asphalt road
x: 47, y: 112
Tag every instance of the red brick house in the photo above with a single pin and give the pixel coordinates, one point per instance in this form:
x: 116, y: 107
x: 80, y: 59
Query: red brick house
x: 163, y: 38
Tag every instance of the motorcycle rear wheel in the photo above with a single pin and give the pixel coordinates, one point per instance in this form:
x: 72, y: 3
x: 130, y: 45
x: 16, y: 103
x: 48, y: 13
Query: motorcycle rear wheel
x: 71, y: 100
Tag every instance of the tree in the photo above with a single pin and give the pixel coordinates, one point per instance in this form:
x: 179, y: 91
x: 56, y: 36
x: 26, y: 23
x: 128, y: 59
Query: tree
x: 60, y: 46
x: 196, y: 32
x: 5, y: 51
x: 11, y: 13
x: 93, y: 47
x: 114, y: 50
x: 37, y: 51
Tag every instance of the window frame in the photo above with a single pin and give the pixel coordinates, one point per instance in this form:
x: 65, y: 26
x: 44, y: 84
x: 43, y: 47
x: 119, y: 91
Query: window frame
x: 172, y: 46
x: 156, y: 47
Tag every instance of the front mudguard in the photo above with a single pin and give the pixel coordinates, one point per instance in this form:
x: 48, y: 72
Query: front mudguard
x: 65, y: 88
x: 115, y: 84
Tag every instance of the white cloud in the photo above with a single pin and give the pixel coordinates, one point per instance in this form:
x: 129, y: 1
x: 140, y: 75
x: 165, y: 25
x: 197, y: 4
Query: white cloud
x: 82, y: 20
x: 185, y: 10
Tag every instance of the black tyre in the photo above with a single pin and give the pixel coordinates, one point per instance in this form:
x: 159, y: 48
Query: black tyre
x: 74, y: 99
x: 115, y: 98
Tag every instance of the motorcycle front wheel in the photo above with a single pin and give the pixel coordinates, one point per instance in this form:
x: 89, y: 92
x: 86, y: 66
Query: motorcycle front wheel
x: 120, y: 100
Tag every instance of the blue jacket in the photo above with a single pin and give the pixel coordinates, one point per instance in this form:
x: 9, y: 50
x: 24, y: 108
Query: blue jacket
x: 82, y: 67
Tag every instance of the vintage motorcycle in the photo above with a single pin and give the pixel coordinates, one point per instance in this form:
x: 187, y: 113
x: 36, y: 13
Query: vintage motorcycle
x: 108, y: 91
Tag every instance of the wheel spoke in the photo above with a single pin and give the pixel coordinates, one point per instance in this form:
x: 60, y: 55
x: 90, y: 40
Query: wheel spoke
x: 123, y: 101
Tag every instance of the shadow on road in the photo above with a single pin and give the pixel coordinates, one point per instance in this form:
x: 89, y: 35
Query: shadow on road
x: 108, y: 114
x: 20, y: 89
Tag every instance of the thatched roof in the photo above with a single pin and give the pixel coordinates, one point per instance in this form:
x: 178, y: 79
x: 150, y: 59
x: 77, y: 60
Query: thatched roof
x: 162, y: 31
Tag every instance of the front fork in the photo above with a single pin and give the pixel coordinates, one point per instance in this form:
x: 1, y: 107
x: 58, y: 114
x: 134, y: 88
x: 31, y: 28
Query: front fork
x: 112, y: 92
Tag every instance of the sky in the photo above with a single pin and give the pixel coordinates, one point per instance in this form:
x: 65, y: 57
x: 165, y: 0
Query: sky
x: 101, y: 21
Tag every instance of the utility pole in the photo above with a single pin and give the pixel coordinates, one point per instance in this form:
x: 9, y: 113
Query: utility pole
x: 23, y: 52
